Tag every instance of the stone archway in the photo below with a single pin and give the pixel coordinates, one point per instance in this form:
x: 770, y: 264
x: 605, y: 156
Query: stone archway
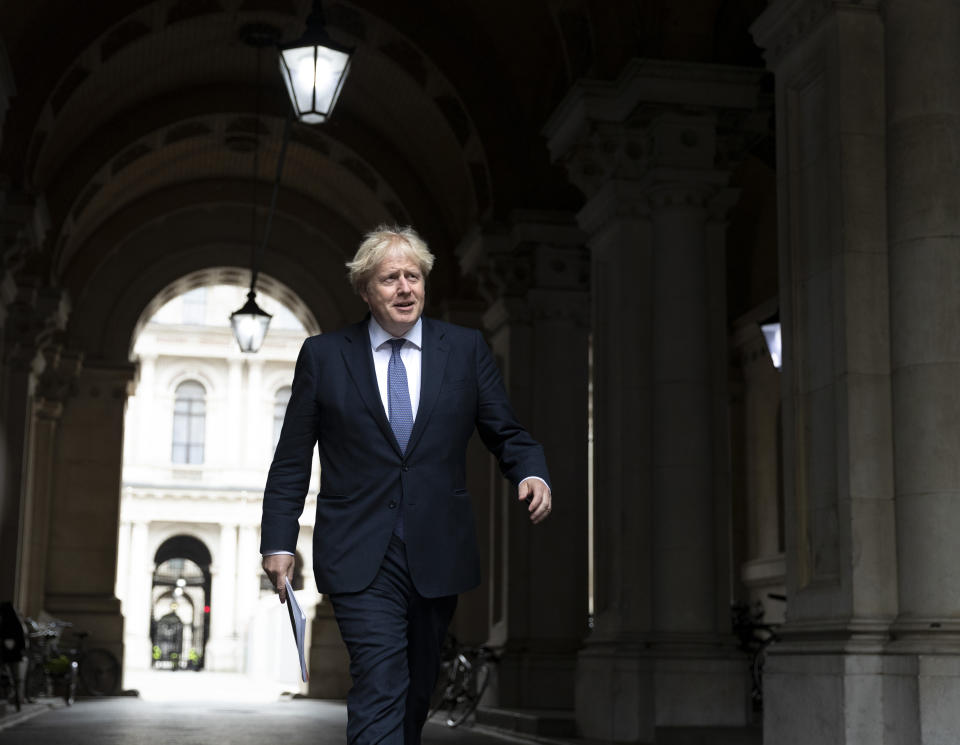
x: 84, y: 515
x: 181, y: 580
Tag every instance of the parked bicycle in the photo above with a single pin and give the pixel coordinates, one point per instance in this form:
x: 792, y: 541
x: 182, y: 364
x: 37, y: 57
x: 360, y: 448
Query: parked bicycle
x: 464, y: 676
x: 55, y: 671
x: 49, y: 671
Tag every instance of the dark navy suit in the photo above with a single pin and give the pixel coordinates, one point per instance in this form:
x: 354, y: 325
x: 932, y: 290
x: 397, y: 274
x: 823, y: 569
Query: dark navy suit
x: 365, y: 478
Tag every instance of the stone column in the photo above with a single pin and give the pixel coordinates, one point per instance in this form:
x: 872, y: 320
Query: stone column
x: 825, y: 681
x: 137, y: 606
x: 759, y: 540
x: 536, y: 276
x: 235, y: 414
x: 258, y: 429
x: 144, y: 418
x: 222, y: 649
x: 36, y: 315
x: 471, y: 623
x: 248, y: 576
x: 923, y: 112
x: 53, y: 388
x: 82, y: 559
x: 646, y: 152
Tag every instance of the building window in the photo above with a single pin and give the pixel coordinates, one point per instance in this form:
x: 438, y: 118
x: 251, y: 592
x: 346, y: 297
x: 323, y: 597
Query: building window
x: 279, y: 409
x: 189, y: 415
x: 195, y: 306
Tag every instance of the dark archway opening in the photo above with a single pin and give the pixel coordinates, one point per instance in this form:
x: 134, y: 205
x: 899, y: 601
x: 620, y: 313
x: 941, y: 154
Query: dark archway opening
x: 180, y: 604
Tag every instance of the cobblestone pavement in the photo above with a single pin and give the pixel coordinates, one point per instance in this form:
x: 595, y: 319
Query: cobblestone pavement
x: 204, y: 709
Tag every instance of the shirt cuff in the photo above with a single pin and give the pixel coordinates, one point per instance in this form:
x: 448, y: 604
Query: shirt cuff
x: 276, y: 553
x: 526, y: 478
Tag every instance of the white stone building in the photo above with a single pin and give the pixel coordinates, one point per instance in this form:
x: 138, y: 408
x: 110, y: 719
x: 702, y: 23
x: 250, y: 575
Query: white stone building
x: 200, y: 434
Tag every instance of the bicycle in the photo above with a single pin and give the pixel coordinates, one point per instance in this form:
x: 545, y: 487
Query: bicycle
x: 98, y: 669
x: 49, y: 670
x: 52, y: 670
x: 464, y: 676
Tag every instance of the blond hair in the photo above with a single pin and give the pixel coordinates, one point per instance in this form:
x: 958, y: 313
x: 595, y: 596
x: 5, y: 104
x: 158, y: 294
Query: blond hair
x: 377, y: 244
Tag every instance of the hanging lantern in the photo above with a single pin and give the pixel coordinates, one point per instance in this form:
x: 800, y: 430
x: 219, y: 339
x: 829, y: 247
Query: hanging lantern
x: 250, y: 324
x: 314, y: 68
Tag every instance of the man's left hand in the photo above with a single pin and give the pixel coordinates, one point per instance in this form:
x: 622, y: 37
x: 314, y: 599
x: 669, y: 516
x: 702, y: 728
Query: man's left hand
x: 537, y: 495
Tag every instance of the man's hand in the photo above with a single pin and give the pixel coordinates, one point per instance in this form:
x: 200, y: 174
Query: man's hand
x: 538, y: 497
x: 278, y: 566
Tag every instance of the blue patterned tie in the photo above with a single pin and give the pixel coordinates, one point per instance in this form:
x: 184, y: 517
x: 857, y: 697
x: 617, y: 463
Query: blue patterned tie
x: 400, y: 411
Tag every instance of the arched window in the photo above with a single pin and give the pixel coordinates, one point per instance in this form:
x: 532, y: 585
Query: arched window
x: 279, y: 409
x: 189, y: 415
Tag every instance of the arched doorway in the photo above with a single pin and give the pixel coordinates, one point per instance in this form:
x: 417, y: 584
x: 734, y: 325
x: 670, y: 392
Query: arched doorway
x: 180, y: 604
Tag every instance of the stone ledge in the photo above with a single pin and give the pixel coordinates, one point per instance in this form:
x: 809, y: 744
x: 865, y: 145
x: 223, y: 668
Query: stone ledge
x: 530, y: 722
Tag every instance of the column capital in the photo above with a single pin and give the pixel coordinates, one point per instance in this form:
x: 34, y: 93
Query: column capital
x: 107, y: 380
x: 785, y: 23
x: 33, y: 320
x: 657, y: 113
x: 58, y: 380
x: 538, y: 255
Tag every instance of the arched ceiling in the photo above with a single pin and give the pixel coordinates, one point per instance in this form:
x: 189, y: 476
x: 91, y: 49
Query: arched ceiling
x: 135, y: 119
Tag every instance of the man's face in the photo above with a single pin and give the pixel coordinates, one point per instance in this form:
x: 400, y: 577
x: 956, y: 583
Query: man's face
x: 395, y: 293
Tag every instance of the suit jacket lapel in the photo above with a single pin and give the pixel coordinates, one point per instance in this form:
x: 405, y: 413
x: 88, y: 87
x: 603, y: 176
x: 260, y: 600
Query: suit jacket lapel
x: 359, y: 361
x: 433, y: 359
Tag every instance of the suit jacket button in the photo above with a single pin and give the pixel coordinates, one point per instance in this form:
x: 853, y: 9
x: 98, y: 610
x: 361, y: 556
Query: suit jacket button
x: 392, y: 505
x: 406, y: 467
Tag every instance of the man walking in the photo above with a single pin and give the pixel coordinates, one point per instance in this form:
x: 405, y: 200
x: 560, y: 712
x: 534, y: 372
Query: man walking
x: 391, y: 403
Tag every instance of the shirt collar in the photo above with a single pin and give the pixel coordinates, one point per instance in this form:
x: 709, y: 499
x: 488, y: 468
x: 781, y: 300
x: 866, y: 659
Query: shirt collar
x: 379, y: 337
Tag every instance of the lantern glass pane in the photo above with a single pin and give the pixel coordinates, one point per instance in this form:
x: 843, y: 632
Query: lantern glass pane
x: 299, y: 76
x: 330, y: 68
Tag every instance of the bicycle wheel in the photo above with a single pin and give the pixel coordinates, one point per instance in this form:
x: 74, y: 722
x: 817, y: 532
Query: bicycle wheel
x: 99, y: 673
x: 70, y: 684
x: 34, y: 682
x: 474, y: 684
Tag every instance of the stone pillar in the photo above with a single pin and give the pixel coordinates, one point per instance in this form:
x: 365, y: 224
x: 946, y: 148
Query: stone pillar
x: 82, y: 558
x: 53, y: 388
x: 258, y: 430
x: 758, y: 541
x: 472, y: 622
x: 826, y: 680
x: 646, y: 152
x: 144, y: 417
x: 137, y: 606
x: 32, y: 319
x: 536, y: 277
x: 923, y: 112
x: 235, y: 414
x: 223, y: 648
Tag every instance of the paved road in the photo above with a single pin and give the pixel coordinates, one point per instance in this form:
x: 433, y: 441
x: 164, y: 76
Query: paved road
x: 209, y: 710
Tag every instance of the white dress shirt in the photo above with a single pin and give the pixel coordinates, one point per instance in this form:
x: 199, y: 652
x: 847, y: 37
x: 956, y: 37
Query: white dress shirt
x: 410, y: 354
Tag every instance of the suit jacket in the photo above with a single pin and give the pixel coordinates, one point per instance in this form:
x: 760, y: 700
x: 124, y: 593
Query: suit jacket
x: 364, y: 478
